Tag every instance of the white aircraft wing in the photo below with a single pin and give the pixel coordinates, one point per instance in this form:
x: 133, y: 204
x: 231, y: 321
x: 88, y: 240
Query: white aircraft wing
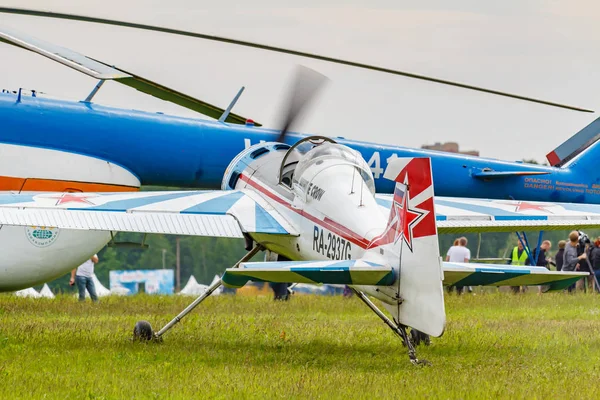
x: 461, y: 274
x: 199, y: 213
x: 464, y: 215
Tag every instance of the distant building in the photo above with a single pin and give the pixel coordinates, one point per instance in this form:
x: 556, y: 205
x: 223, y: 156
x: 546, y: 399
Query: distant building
x: 449, y: 147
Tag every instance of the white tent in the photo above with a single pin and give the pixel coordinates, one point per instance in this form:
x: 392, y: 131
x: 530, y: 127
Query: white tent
x: 193, y: 288
x: 220, y: 289
x: 120, y: 291
x: 29, y: 292
x: 101, y: 291
x: 46, y: 292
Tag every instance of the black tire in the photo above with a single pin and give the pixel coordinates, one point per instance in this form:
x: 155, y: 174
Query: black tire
x: 419, y: 337
x: 415, y: 337
x: 142, y: 331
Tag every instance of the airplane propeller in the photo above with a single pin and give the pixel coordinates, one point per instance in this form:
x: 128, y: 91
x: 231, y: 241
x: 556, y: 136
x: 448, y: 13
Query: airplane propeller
x: 82, y: 18
x: 307, y: 83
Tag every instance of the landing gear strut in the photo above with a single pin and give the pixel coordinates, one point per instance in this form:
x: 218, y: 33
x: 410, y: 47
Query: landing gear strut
x: 143, y: 329
x: 398, y: 329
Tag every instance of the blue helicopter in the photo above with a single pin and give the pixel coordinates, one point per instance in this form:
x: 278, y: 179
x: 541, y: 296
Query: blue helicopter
x: 121, y: 150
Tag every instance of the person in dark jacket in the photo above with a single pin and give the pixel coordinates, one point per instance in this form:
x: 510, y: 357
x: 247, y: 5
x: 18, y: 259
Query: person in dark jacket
x: 595, y: 261
x: 571, y: 259
x: 541, y: 258
x: 560, y: 255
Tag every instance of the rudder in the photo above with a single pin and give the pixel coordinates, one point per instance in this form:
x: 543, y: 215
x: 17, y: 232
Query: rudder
x: 412, y: 225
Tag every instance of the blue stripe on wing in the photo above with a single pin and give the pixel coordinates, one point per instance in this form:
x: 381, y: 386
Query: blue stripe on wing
x: 15, y: 198
x: 265, y: 223
x: 219, y: 205
x: 489, y: 276
x: 127, y: 204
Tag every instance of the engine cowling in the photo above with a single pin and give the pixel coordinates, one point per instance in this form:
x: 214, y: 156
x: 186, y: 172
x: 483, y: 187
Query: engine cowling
x: 262, y: 158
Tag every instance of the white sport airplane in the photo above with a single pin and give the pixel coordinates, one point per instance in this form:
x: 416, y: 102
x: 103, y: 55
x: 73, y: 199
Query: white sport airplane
x: 313, y: 203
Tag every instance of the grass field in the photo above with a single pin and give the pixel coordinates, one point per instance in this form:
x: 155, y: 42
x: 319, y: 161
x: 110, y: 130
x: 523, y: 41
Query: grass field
x: 495, y: 345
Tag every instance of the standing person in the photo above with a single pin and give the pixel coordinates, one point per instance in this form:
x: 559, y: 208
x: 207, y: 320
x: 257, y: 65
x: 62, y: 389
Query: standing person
x: 595, y: 261
x: 560, y: 255
x: 571, y: 259
x: 455, y: 244
x: 519, y: 257
x: 541, y: 258
x: 83, y: 275
x: 459, y: 254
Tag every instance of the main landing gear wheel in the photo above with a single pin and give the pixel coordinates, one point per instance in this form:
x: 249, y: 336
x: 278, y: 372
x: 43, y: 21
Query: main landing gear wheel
x: 143, y: 331
x: 419, y: 337
x: 398, y: 329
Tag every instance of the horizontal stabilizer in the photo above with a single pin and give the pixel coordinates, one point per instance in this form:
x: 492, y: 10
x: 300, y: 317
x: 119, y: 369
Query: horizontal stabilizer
x: 460, y: 274
x: 99, y: 70
x: 505, y: 174
x: 575, y: 145
x: 350, y: 272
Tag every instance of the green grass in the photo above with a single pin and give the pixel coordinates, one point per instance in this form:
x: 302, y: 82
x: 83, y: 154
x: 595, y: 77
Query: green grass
x: 495, y: 345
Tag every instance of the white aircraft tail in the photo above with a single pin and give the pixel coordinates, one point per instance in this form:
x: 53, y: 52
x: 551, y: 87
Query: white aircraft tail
x: 411, y: 240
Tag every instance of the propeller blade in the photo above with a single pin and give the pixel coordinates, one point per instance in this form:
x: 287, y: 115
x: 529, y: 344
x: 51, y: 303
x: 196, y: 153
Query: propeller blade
x: 307, y: 83
x: 82, y: 18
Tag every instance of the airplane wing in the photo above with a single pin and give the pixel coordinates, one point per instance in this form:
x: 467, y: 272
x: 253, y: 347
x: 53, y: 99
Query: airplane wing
x: 460, y: 274
x: 349, y: 272
x: 99, y: 70
x: 164, y: 212
x: 463, y: 215
x: 199, y: 213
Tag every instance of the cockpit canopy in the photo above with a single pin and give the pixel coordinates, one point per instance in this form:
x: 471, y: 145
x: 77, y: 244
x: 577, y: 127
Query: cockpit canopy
x: 333, y: 154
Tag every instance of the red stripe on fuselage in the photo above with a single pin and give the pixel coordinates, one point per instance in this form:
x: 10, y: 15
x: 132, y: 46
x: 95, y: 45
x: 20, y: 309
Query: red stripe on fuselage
x: 327, y: 223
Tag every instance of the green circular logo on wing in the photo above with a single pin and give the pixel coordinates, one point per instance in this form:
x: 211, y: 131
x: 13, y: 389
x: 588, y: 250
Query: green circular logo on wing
x: 41, y: 236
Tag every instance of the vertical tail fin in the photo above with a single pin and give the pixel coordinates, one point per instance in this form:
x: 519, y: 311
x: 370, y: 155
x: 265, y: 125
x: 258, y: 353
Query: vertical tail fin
x: 413, y: 234
x: 586, y: 140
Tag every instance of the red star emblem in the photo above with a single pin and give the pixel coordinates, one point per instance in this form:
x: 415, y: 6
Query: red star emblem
x: 407, y: 220
x: 72, y: 198
x: 524, y: 206
x: 402, y: 222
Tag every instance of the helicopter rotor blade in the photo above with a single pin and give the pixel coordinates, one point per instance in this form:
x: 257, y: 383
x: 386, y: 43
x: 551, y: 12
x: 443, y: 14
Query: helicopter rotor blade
x: 82, y: 18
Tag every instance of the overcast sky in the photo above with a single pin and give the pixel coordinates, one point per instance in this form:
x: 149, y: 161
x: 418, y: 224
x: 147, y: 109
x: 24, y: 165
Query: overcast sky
x: 543, y: 49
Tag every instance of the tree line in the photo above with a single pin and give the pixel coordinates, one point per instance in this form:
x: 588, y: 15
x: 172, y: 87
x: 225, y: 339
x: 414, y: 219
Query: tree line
x: 205, y: 257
